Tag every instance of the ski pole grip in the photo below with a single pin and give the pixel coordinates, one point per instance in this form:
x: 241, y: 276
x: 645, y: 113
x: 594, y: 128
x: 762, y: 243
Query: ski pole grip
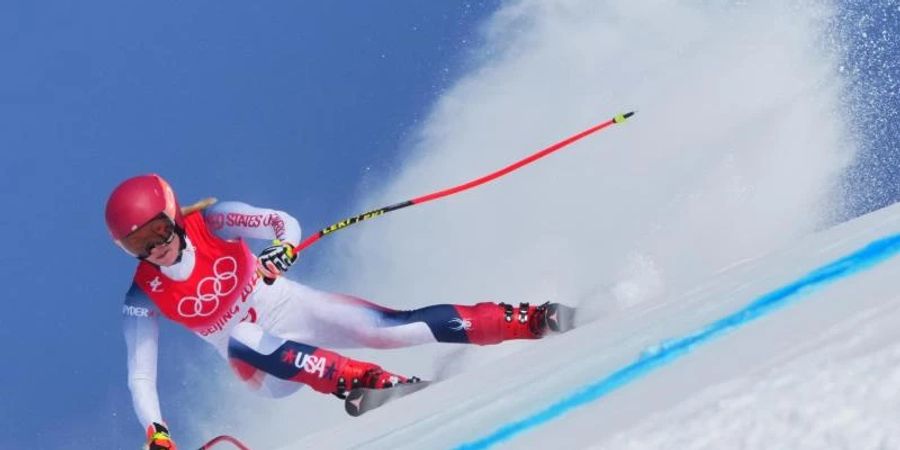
x: 292, y: 254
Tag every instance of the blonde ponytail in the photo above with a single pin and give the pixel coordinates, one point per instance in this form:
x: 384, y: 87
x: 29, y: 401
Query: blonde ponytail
x: 198, y: 206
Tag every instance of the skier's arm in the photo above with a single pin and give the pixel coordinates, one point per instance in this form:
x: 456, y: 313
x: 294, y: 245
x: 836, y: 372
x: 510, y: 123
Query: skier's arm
x: 230, y: 220
x: 141, y: 328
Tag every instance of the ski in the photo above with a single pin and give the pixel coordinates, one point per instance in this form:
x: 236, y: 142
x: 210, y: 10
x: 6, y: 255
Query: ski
x: 362, y: 400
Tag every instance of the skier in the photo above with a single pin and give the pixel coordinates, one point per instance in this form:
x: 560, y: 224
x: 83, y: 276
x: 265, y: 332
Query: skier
x: 196, y: 270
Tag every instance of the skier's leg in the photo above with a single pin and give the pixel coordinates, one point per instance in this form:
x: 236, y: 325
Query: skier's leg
x: 303, y: 314
x: 267, y: 362
x: 337, y: 320
x: 488, y: 323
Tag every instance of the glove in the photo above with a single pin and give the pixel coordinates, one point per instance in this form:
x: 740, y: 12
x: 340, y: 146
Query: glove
x: 158, y: 438
x: 275, y: 260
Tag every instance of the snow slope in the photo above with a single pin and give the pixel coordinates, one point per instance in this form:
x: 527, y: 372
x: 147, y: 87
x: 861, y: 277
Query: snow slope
x: 820, y: 372
x: 657, y: 227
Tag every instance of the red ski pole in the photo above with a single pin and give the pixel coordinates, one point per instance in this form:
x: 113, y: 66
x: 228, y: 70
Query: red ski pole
x: 462, y: 187
x: 224, y: 438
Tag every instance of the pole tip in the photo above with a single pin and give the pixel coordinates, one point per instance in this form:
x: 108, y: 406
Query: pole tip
x: 622, y: 117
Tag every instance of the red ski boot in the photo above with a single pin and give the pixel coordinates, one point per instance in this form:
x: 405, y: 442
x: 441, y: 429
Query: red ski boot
x: 356, y: 374
x: 492, y: 323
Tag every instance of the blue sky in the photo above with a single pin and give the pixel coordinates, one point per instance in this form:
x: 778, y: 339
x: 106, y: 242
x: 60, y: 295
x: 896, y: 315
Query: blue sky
x: 294, y: 105
x: 870, y: 35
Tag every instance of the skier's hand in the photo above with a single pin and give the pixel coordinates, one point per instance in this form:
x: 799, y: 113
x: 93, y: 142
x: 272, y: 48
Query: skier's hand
x: 158, y: 438
x: 275, y: 260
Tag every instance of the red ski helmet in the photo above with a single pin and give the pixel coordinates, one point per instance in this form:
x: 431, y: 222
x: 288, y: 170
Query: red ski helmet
x: 139, y: 200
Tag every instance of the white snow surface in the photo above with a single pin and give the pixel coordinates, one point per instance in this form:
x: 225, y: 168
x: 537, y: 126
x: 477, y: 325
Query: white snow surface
x: 821, y: 373
x: 710, y: 197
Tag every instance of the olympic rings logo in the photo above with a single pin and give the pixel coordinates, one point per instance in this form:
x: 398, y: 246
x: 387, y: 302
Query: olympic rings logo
x: 211, y: 289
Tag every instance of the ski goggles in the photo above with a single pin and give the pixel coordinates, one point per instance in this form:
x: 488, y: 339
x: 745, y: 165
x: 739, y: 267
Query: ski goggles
x: 158, y: 231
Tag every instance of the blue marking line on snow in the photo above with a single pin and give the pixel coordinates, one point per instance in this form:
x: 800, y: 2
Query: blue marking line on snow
x: 670, y: 350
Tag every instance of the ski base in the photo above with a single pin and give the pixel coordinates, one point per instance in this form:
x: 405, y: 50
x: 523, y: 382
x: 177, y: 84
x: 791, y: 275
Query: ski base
x: 362, y: 400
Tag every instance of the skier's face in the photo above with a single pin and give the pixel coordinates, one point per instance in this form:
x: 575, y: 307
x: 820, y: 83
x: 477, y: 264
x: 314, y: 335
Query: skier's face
x: 166, y: 253
x: 156, y: 242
